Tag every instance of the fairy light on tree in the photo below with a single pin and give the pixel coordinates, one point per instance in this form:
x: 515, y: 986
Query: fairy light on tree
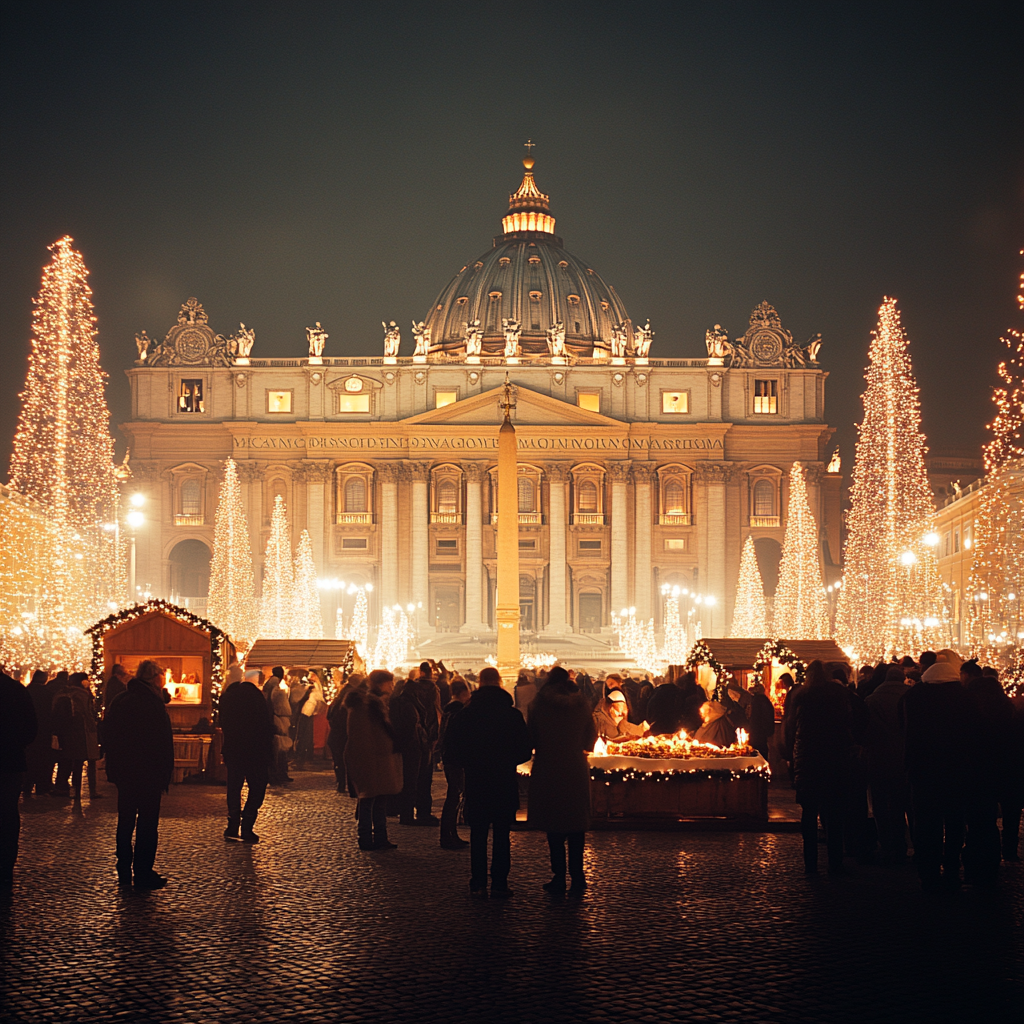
x: 232, y: 603
x: 891, y: 598
x: 278, y: 602
x: 801, y: 611
x: 748, y: 616
x: 360, y: 623
x: 308, y: 623
x: 997, y: 568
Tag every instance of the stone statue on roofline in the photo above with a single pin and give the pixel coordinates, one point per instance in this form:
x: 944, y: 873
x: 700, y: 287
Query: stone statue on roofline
x: 620, y: 340
x: 392, y: 339
x: 244, y: 341
x: 316, y: 336
x: 717, y: 341
x: 556, y: 340
x: 512, y: 329
x: 642, y: 339
x: 474, y: 338
x: 421, y: 335
x: 142, y: 343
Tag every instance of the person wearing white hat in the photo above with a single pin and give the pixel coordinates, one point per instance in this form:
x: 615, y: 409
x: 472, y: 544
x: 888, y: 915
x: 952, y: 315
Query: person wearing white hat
x: 248, y: 728
x: 610, y: 718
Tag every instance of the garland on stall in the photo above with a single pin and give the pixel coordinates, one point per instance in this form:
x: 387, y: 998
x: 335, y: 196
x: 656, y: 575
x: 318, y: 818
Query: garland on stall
x: 776, y: 650
x: 700, y: 654
x: 694, y: 775
x: 182, y: 615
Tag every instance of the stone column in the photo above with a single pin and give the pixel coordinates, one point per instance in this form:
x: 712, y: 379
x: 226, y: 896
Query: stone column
x: 420, y: 516
x: 475, y: 472
x: 388, y: 473
x: 317, y: 476
x: 643, y: 571
x: 558, y: 475
x: 713, y: 475
x: 619, y: 473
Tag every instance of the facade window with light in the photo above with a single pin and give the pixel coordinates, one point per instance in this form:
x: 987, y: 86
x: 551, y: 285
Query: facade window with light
x: 766, y: 397
x: 443, y: 398
x: 354, y: 494
x: 588, y: 497
x: 191, y: 498
x: 446, y: 495
x: 349, y: 403
x: 279, y: 401
x: 675, y: 402
x: 190, y: 395
x: 764, y: 498
x: 447, y: 498
x: 589, y: 400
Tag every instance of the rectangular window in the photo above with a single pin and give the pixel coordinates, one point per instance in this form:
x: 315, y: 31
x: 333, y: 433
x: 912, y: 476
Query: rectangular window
x: 675, y: 401
x: 448, y: 545
x: 190, y: 396
x: 967, y: 538
x: 766, y: 396
x: 956, y: 542
x: 279, y: 401
x: 527, y: 545
x: 443, y: 398
x: 353, y: 543
x: 676, y: 544
x: 353, y: 403
x: 590, y: 547
x: 588, y: 400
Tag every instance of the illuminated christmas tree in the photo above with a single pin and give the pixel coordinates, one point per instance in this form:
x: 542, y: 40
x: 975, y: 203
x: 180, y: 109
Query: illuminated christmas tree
x: 232, y: 604
x: 801, y: 610
x: 748, y: 616
x: 359, y: 629
x: 278, y: 604
x: 309, y: 621
x: 996, y: 583
x: 63, y: 457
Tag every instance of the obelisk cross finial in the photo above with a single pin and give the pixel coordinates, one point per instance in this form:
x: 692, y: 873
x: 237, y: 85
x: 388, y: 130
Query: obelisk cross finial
x: 508, y: 401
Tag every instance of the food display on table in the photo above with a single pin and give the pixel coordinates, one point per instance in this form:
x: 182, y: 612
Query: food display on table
x: 678, y: 745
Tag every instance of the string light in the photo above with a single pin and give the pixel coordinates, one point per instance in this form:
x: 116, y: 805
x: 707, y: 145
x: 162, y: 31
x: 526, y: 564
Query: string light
x: 308, y: 620
x: 278, y: 603
x: 748, y: 617
x: 885, y: 601
x: 232, y: 601
x: 775, y: 652
x: 393, y: 638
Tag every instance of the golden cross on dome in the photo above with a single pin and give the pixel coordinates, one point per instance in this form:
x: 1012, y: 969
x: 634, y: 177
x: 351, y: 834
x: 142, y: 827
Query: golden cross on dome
x: 528, y: 145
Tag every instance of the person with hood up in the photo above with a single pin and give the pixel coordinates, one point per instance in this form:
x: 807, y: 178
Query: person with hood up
x: 887, y: 775
x: 562, y: 732
x: 74, y: 721
x: 935, y: 715
x: 248, y: 729
x: 373, y: 767
x: 611, y: 719
x: 487, y: 740
x: 717, y: 728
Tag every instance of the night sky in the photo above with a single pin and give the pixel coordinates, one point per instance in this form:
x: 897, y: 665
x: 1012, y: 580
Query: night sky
x: 290, y: 162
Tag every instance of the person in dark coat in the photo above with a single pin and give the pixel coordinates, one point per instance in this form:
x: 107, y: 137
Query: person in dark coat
x: 337, y: 719
x: 887, y: 774
x: 140, y: 762
x: 18, y: 729
x: 454, y: 775
x: 115, y: 685
x: 487, y: 739
x: 248, y: 728
x: 54, y: 688
x: 935, y: 715
x: 74, y: 722
x: 676, y: 705
x: 562, y: 732
x: 38, y: 754
x: 410, y: 741
x: 818, y: 731
x: 762, y: 720
x: 427, y: 696
x: 1011, y: 792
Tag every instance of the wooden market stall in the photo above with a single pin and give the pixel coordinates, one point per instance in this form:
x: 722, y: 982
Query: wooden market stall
x: 193, y: 654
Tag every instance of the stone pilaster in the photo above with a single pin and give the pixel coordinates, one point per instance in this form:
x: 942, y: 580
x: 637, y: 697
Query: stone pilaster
x: 643, y: 571
x: 475, y: 473
x: 388, y: 472
x: 619, y: 474
x: 419, y: 473
x: 558, y: 475
x: 714, y: 476
x: 318, y: 475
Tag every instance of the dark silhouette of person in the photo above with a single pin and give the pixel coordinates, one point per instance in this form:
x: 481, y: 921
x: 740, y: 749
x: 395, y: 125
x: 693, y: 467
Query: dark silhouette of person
x: 762, y: 720
x: 115, y: 684
x: 562, y: 733
x: 887, y: 774
x: 140, y: 762
x: 818, y: 731
x: 38, y: 754
x: 454, y: 776
x: 17, y: 730
x: 74, y: 722
x: 248, y: 728
x: 488, y: 739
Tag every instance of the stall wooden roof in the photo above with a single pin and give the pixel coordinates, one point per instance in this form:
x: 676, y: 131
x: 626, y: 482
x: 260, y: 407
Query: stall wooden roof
x: 307, y: 653
x: 741, y: 653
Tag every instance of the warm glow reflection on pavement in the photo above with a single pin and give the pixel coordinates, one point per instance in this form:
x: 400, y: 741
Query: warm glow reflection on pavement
x: 696, y: 926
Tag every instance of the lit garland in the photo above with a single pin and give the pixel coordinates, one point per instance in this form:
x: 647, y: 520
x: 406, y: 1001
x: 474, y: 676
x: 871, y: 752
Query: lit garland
x: 748, y: 616
x: 608, y: 777
x: 232, y: 602
x: 801, y: 610
x: 278, y: 603
x: 218, y: 639
x: 891, y: 600
x: 777, y: 651
x: 996, y: 583
x: 308, y: 620
x: 700, y: 654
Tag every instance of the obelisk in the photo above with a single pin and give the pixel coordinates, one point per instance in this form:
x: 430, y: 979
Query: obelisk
x: 507, y: 610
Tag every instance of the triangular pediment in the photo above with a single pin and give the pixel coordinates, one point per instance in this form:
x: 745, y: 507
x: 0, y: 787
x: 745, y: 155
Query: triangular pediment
x: 532, y: 409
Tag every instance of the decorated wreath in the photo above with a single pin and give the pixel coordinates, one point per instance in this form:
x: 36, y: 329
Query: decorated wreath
x: 776, y: 650
x: 700, y: 654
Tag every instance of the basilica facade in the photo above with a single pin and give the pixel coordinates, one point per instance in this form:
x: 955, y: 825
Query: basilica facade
x: 636, y: 474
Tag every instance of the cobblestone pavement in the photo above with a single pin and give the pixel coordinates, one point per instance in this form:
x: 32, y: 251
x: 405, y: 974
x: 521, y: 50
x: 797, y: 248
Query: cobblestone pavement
x: 716, y: 926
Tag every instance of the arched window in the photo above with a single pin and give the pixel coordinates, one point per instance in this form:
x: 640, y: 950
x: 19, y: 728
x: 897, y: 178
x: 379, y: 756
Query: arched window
x: 447, y: 498
x: 764, y: 498
x: 191, y: 498
x: 355, y: 494
x: 588, y: 496
x: 527, y: 495
x: 675, y: 498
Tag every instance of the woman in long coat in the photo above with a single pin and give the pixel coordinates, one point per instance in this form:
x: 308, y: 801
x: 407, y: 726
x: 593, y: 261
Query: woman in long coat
x: 74, y: 720
x: 374, y: 769
x: 563, y: 733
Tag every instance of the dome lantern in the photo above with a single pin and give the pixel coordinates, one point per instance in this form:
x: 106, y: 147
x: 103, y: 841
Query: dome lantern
x: 528, y: 208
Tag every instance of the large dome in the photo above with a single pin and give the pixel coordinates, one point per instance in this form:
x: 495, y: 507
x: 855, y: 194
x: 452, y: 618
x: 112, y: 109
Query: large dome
x: 527, y: 276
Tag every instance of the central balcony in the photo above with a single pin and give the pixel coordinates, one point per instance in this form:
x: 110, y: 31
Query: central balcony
x: 588, y: 519
x: 354, y: 518
x: 181, y: 519
x: 764, y: 521
x: 675, y: 519
x: 525, y: 519
x: 448, y: 518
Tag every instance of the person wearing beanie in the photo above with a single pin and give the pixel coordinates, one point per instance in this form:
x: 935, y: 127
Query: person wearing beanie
x: 887, y: 775
x: 248, y: 728
x: 935, y: 716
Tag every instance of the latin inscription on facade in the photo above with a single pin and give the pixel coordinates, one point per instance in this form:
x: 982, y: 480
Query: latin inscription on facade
x: 556, y: 444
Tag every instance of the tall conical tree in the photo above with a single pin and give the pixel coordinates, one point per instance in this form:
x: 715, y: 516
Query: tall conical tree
x: 891, y: 599
x: 232, y: 604
x: 997, y: 570
x: 801, y: 610
x: 278, y: 602
x: 309, y: 620
x: 748, y: 615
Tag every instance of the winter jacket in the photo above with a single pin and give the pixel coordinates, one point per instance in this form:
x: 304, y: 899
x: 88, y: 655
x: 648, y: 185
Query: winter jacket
x: 247, y: 724
x: 884, y: 735
x: 337, y: 719
x: 451, y: 709
x: 665, y: 709
x: 74, y: 723
x: 282, y: 710
x: 718, y: 729
x: 935, y: 718
x: 818, y: 731
x: 762, y: 722
x: 562, y: 732
x: 371, y: 763
x: 17, y: 724
x: 40, y: 746
x: 139, y: 740
x: 488, y: 738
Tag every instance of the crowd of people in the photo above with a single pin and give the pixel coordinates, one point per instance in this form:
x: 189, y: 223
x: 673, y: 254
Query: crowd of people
x: 936, y: 747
